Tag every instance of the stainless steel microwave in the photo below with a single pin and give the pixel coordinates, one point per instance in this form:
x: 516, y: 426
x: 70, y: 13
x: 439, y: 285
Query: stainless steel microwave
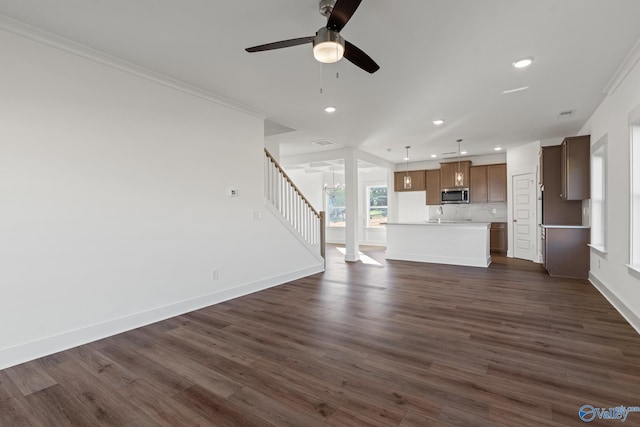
x: 454, y: 195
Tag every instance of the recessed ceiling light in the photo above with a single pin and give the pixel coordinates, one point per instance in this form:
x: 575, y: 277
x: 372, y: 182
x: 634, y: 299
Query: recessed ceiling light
x: 330, y: 109
x: 463, y: 152
x: 523, y: 63
x: 518, y: 89
x: 438, y: 122
x: 434, y: 156
x: 323, y: 142
x: 498, y: 148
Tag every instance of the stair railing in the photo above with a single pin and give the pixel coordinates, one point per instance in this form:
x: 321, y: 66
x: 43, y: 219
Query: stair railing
x: 294, y: 207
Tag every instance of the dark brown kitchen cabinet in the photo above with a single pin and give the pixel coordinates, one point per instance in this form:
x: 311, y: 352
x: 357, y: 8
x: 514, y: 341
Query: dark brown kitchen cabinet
x: 556, y: 211
x: 448, y: 174
x: 488, y: 183
x: 498, y: 237
x: 575, y: 168
x: 417, y: 181
x: 432, y: 178
x: 478, y: 184
x: 497, y: 183
x: 566, y: 251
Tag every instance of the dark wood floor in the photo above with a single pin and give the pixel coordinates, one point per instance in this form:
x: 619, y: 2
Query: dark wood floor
x: 395, y: 344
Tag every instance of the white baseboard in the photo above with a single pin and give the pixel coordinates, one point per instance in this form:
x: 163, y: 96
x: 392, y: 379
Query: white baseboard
x: 630, y: 316
x: 29, y: 351
x: 438, y: 259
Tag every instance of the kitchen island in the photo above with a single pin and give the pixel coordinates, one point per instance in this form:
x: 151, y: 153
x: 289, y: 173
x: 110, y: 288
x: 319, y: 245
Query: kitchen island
x: 458, y: 243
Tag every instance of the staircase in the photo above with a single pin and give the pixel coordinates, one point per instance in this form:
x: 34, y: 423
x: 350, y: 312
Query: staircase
x: 293, y: 208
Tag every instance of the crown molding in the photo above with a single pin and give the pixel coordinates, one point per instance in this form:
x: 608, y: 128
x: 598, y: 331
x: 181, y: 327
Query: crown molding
x: 623, y: 70
x: 36, y: 34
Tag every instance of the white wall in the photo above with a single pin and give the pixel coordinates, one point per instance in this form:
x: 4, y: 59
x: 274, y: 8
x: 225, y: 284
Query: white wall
x: 113, y: 202
x: 608, y: 272
x: 521, y: 160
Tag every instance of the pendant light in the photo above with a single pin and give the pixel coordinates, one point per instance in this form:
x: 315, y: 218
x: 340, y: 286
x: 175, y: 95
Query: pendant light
x: 459, y: 176
x: 407, y: 178
x: 331, y: 191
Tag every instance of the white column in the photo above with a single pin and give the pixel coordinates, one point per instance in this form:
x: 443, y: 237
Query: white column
x: 392, y: 197
x: 351, y: 182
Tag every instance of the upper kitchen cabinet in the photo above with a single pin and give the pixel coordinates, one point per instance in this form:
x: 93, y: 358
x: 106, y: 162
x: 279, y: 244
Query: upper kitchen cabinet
x: 497, y: 183
x: 478, y: 184
x: 448, y: 174
x: 488, y: 184
x: 556, y: 211
x: 575, y: 168
x: 432, y: 177
x: 417, y: 181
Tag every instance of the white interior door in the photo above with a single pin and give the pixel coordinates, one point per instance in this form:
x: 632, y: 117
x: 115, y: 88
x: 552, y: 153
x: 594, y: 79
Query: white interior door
x: 524, y: 218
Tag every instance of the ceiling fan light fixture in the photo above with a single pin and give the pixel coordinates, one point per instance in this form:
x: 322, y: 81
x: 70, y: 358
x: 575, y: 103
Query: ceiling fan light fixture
x: 523, y: 63
x: 328, y: 46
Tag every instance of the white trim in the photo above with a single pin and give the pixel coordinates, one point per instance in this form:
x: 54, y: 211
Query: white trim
x: 599, y: 249
x: 32, y: 350
x: 601, y: 145
x: 633, y: 269
x: 623, y: 70
x: 30, y: 32
x: 617, y: 303
x: 439, y: 259
x: 634, y: 174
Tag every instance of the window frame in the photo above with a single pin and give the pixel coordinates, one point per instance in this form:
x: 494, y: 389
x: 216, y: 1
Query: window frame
x: 328, y: 209
x: 634, y: 194
x: 368, y: 188
x: 598, y: 240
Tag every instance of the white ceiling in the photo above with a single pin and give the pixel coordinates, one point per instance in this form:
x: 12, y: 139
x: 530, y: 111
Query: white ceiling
x: 447, y: 59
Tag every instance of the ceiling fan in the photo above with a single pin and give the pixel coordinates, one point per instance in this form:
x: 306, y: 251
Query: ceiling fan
x: 328, y: 45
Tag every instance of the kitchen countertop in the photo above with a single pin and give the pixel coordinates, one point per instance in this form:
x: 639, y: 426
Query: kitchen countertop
x: 455, y: 242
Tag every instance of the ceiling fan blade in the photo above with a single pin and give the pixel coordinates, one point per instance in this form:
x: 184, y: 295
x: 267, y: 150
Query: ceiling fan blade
x: 342, y: 12
x: 281, y: 44
x: 359, y: 58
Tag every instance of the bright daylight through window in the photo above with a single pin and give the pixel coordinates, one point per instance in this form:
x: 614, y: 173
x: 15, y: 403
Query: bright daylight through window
x: 336, y: 207
x: 634, y: 256
x: 598, y: 195
x: 377, y: 205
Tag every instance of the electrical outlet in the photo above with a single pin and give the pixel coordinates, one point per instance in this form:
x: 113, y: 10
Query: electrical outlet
x: 494, y: 210
x: 214, y: 275
x: 232, y: 192
x: 257, y: 215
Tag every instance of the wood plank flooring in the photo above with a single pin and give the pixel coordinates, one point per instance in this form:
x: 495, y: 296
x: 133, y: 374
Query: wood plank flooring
x: 394, y: 344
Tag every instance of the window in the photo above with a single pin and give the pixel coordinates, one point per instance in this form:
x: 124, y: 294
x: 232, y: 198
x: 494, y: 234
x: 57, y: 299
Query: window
x: 377, y: 205
x: 336, y: 207
x: 634, y: 256
x: 598, y: 195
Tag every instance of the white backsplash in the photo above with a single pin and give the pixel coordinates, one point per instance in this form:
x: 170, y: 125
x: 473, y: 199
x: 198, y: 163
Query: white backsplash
x: 479, y: 212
